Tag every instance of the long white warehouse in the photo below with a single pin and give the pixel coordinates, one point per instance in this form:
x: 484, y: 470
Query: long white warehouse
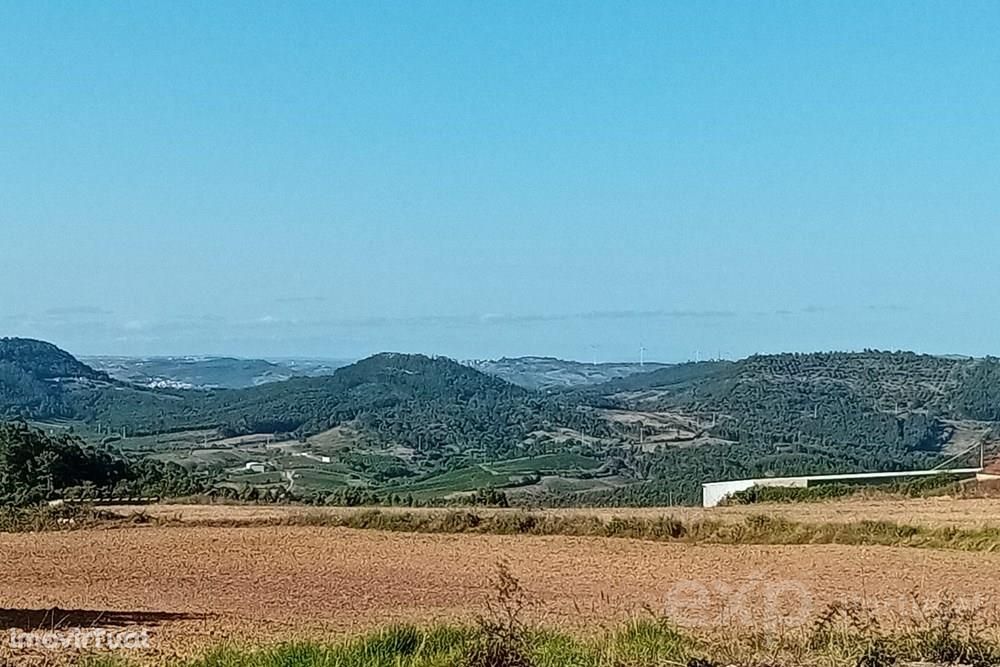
x: 714, y: 493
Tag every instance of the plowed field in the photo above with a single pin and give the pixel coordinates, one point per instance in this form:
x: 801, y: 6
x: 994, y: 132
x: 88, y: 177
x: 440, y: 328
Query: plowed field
x: 196, y: 585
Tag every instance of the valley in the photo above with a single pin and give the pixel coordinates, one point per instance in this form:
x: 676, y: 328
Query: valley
x: 411, y: 429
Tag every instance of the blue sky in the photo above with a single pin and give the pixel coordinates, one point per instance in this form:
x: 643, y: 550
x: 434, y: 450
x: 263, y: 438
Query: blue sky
x: 481, y: 179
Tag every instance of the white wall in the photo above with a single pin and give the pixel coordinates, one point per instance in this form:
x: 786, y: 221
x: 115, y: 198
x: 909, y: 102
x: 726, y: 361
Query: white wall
x: 713, y: 493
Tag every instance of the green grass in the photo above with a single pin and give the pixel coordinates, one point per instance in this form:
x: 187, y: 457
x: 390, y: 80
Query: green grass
x: 640, y: 644
x: 255, y: 478
x: 218, y: 457
x: 165, y: 442
x: 651, y: 642
x: 496, y: 474
x: 545, y: 463
x: 320, y: 480
x: 453, y: 481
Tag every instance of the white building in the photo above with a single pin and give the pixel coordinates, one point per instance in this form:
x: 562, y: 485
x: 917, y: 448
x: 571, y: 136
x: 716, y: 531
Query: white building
x: 314, y: 457
x: 714, y: 493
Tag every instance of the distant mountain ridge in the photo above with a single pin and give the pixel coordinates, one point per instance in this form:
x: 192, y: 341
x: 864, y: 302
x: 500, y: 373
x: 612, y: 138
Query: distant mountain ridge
x: 208, y: 372
x: 547, y: 373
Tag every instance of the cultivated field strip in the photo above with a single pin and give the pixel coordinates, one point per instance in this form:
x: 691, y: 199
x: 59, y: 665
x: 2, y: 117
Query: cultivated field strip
x: 969, y: 513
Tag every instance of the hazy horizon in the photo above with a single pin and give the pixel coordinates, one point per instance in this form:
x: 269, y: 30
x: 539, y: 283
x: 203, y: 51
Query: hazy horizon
x: 698, y: 355
x: 569, y: 180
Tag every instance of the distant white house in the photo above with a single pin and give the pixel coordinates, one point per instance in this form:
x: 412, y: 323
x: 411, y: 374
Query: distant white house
x: 314, y: 457
x: 256, y: 466
x: 714, y: 493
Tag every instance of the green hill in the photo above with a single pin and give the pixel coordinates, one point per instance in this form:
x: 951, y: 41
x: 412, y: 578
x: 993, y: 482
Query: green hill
x: 35, y: 378
x: 427, y: 403
x: 809, y: 413
x: 429, y: 425
x: 820, y: 395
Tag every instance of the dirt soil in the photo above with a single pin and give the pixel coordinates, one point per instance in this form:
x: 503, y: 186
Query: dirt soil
x: 196, y: 585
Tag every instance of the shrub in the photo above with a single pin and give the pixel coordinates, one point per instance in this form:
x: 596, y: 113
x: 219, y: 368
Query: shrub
x: 502, y: 634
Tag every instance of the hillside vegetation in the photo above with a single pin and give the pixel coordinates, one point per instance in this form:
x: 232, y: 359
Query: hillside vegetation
x: 34, y: 376
x: 816, y: 413
x: 36, y: 467
x: 398, y: 427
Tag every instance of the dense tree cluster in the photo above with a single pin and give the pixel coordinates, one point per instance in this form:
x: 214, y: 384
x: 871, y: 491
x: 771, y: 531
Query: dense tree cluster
x: 33, y: 379
x: 36, y: 467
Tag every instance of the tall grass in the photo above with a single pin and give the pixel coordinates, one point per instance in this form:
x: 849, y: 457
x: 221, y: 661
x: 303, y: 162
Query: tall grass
x: 640, y: 643
x: 755, y: 529
x: 31, y: 519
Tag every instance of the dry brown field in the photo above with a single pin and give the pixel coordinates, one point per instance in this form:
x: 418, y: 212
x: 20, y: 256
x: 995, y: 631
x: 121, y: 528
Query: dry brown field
x: 198, y: 585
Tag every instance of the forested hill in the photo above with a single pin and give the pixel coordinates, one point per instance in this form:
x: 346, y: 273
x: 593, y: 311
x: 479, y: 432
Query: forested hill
x: 805, y: 414
x: 882, y: 399
x: 898, y: 382
x: 44, y: 361
x: 35, y: 376
x: 424, y: 402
